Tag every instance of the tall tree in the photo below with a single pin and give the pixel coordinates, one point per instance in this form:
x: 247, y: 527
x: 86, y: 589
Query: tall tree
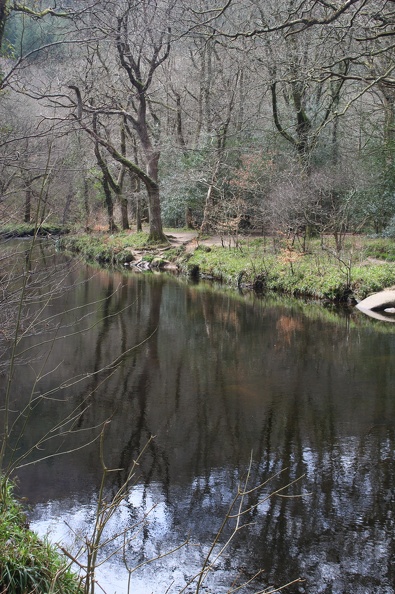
x: 136, y: 43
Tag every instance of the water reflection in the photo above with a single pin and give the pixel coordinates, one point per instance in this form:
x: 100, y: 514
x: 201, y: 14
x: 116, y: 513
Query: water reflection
x: 383, y: 316
x: 215, y: 377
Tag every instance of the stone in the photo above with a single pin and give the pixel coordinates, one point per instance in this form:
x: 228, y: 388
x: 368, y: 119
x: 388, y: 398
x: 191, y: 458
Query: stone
x: 381, y: 301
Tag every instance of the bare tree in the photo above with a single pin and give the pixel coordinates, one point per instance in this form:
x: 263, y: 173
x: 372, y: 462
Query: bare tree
x: 138, y: 35
x: 32, y: 13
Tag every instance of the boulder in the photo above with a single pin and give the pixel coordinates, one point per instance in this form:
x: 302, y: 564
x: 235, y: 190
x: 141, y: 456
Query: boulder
x: 379, y: 301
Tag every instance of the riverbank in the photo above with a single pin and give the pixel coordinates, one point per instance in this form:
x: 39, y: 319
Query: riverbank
x: 28, y: 564
x: 29, y: 230
x: 363, y: 265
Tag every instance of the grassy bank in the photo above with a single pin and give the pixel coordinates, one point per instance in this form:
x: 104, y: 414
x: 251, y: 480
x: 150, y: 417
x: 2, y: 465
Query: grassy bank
x: 320, y: 273
x: 363, y: 266
x: 28, y: 564
x: 29, y: 230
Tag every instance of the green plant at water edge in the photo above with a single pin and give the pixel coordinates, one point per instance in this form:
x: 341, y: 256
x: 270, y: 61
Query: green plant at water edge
x: 370, y: 279
x: 28, y: 564
x: 107, y: 249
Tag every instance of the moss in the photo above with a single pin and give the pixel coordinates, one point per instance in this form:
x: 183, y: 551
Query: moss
x: 148, y: 258
x: 175, y: 253
x: 158, y: 263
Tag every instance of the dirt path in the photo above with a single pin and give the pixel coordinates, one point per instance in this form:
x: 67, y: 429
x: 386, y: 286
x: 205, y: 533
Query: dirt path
x: 190, y: 239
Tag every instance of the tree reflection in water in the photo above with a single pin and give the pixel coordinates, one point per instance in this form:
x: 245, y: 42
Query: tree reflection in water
x: 308, y: 391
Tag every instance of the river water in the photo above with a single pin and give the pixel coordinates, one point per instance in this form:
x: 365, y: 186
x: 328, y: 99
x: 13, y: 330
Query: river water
x: 299, y: 396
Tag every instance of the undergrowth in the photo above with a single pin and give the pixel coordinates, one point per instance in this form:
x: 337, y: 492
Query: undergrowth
x: 320, y: 272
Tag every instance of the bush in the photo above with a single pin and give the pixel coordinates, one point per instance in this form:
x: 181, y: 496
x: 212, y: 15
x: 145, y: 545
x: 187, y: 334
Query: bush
x: 389, y: 231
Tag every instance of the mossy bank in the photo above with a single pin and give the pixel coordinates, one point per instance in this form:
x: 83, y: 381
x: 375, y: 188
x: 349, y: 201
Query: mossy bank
x: 28, y: 564
x: 29, y: 230
x: 363, y: 266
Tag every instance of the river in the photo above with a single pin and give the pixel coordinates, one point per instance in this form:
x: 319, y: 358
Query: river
x: 298, y: 395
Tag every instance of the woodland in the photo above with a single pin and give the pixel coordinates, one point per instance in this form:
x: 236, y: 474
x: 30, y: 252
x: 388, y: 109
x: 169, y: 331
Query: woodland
x: 259, y: 115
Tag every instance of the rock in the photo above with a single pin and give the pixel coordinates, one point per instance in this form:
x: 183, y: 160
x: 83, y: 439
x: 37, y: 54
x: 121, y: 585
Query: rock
x: 141, y: 265
x: 170, y: 266
x: 127, y: 258
x: 381, y: 301
x: 158, y: 263
x: 193, y: 271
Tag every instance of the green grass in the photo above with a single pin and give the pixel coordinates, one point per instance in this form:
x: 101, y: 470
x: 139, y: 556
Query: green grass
x: 28, y: 564
x: 318, y: 273
x: 28, y: 230
x: 107, y: 249
x: 364, y: 266
x: 383, y: 249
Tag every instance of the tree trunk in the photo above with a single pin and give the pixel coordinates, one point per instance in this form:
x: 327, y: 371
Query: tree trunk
x: 188, y: 218
x: 28, y: 203
x: 155, y: 219
x: 136, y: 189
x: 180, y: 135
x: 66, y: 209
x: 2, y: 23
x: 123, y: 201
x: 44, y: 204
x: 154, y: 209
x: 139, y: 226
x: 124, y: 213
x: 110, y: 206
x: 86, y: 204
x: 199, y: 118
x: 107, y: 184
x: 208, y: 77
x: 389, y: 119
x: 208, y: 207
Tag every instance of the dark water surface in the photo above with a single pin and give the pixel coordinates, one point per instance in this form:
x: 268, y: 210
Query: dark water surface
x: 215, y: 376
